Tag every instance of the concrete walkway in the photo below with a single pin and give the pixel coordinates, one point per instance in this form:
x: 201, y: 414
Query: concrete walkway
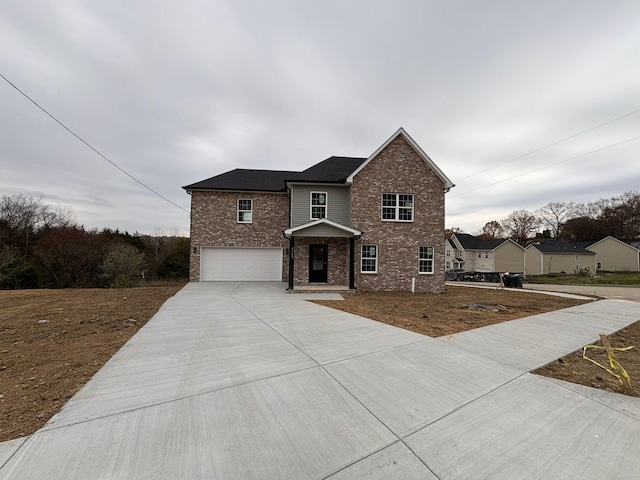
x: 243, y: 381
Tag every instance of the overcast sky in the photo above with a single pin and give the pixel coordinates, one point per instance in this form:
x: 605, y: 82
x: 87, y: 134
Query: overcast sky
x: 176, y: 92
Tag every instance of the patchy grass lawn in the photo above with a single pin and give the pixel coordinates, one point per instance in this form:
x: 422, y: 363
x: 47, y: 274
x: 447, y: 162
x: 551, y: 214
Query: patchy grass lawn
x: 602, y: 278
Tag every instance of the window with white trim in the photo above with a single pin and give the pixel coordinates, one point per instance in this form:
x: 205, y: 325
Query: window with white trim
x: 397, y: 207
x: 369, y: 259
x: 425, y: 260
x: 318, y: 205
x: 245, y: 210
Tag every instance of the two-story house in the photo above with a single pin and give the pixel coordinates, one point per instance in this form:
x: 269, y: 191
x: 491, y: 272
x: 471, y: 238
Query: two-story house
x: 475, y: 254
x: 557, y: 256
x: 374, y: 223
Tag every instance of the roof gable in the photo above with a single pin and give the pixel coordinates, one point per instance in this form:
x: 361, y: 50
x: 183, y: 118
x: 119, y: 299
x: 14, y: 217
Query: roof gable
x: 470, y: 242
x: 332, y: 170
x: 560, y: 247
x: 592, y: 244
x: 343, y: 229
x: 448, y: 184
x: 246, y: 180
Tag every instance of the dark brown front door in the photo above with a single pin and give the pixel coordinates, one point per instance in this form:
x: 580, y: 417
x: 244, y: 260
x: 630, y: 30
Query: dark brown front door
x: 317, y: 263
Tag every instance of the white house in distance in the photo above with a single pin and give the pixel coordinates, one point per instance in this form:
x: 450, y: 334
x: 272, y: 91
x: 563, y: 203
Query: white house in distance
x: 474, y: 254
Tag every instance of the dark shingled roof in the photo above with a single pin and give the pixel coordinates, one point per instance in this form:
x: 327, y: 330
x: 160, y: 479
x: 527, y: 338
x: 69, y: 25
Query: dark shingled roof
x: 331, y: 170
x: 469, y: 242
x: 246, y: 180
x: 558, y: 246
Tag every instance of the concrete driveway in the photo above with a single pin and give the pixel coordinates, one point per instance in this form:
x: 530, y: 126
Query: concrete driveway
x: 243, y: 381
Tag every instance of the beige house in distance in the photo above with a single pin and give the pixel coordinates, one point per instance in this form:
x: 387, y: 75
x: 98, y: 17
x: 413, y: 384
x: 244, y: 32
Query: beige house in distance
x: 556, y: 256
x: 614, y: 255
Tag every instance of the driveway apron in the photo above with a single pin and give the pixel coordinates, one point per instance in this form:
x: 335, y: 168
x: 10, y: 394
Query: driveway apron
x: 242, y: 381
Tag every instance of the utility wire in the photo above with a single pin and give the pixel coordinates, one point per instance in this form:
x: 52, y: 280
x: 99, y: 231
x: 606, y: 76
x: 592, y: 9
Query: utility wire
x: 550, y: 145
x: 546, y: 166
x: 91, y: 147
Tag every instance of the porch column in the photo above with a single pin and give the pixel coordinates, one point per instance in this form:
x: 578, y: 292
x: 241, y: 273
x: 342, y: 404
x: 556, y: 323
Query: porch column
x: 291, y: 245
x: 352, y: 260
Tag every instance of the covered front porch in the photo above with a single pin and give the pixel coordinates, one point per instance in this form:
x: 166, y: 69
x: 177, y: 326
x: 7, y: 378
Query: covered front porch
x: 321, y: 256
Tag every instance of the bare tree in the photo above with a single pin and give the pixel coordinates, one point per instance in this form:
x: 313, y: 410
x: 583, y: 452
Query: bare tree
x: 492, y: 230
x: 520, y: 225
x: 23, y: 216
x: 554, y: 215
x: 450, y: 231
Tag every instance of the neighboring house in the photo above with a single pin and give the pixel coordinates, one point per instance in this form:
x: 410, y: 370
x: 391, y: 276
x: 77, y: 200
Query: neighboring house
x: 474, y: 254
x: 555, y: 256
x: 453, y: 259
x: 614, y: 255
x: 373, y: 223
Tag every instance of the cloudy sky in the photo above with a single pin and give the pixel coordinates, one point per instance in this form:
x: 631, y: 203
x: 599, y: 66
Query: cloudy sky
x: 176, y: 92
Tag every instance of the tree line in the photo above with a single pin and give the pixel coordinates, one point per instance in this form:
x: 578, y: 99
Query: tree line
x: 617, y: 216
x: 41, y: 246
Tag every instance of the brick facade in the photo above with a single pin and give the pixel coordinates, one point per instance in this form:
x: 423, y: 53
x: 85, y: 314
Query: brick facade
x: 214, y: 224
x: 399, y: 169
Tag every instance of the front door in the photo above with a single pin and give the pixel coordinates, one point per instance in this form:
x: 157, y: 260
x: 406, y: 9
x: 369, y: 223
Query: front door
x: 317, y: 263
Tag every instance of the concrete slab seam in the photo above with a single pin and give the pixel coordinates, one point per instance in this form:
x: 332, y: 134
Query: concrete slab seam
x: 376, y: 452
x: 257, y: 316
x: 389, y: 349
x: 24, y: 441
x: 172, y: 400
x: 463, y: 405
x: 381, y: 423
x: 321, y: 366
x: 621, y: 412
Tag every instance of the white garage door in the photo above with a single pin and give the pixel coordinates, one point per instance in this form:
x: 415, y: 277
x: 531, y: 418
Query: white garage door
x: 240, y: 264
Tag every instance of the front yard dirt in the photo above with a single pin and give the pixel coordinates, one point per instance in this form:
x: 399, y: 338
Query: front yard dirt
x: 53, y: 341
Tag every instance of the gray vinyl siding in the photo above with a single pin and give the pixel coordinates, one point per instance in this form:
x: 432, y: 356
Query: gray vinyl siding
x: 338, y: 199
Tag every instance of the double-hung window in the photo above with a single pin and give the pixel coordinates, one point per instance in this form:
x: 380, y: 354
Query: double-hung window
x: 245, y: 210
x: 397, y: 207
x: 318, y: 205
x: 369, y: 259
x: 425, y: 260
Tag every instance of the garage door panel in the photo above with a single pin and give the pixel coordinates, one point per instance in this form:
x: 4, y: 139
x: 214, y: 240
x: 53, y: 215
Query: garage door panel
x: 240, y: 264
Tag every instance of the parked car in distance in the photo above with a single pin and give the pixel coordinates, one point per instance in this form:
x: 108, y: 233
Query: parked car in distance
x: 454, y: 274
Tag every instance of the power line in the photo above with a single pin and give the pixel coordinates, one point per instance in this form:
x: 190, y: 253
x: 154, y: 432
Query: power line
x: 547, y: 166
x: 550, y: 145
x: 91, y: 147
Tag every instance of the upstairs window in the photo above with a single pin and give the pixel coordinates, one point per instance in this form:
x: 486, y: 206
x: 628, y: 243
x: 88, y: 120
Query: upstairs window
x: 318, y: 205
x: 245, y: 210
x: 369, y: 259
x: 397, y: 207
x: 425, y: 260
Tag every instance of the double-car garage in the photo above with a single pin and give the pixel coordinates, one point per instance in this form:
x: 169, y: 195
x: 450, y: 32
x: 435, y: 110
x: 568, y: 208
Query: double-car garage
x: 240, y: 264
